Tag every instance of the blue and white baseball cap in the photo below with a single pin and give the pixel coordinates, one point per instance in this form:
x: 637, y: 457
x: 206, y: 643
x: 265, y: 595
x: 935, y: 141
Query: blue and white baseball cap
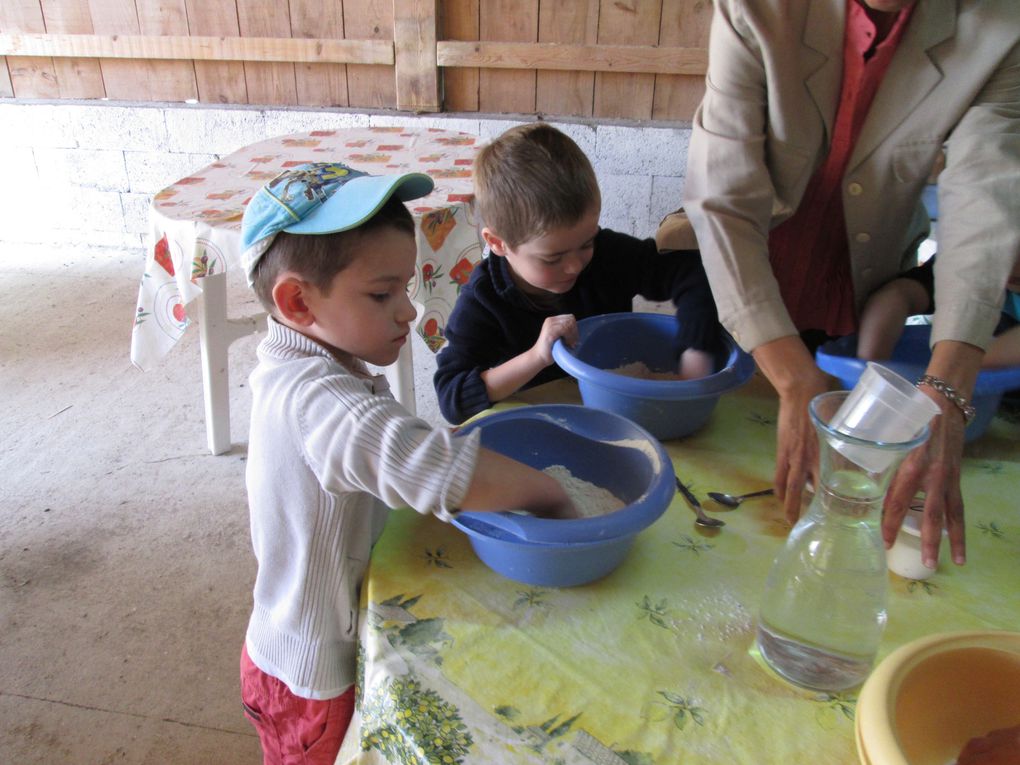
x: 319, y: 198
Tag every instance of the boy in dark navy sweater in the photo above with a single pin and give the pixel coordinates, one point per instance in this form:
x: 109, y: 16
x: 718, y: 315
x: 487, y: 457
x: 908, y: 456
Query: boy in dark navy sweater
x: 550, y: 265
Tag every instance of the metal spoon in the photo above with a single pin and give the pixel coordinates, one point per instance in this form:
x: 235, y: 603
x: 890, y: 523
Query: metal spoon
x: 731, y: 500
x: 702, y: 519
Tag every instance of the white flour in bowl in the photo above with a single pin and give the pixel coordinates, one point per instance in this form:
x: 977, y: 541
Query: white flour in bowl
x: 641, y: 371
x: 589, y: 499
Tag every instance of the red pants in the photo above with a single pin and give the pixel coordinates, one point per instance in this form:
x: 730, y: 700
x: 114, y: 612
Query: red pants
x: 293, y: 730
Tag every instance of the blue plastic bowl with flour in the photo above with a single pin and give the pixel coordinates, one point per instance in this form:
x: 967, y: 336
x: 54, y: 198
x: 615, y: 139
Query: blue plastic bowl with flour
x: 601, y: 448
x: 667, y: 409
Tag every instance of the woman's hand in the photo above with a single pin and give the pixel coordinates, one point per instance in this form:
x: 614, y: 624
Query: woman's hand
x: 797, y: 445
x: 790, y: 368
x: 935, y: 466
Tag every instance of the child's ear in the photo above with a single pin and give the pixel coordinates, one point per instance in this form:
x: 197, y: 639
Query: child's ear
x: 289, y: 297
x: 496, y: 245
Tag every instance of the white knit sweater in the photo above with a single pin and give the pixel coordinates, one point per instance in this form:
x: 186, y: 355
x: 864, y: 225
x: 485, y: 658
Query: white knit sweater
x: 326, y: 445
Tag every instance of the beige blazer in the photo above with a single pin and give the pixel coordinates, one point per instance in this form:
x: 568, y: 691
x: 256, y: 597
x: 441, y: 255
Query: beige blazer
x: 774, y: 75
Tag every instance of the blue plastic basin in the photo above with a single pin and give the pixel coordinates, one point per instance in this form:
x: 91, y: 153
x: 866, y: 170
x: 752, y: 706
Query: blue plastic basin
x: 546, y: 565
x: 910, y: 359
x: 667, y: 409
x: 602, y: 448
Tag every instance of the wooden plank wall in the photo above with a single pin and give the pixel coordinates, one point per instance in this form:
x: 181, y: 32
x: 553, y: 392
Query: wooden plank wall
x: 319, y: 84
x: 684, y: 25
x: 613, y: 59
x: 369, y: 86
x: 33, y: 76
x: 219, y: 82
x: 634, y: 25
x: 76, y: 77
x: 565, y: 92
x: 458, y: 20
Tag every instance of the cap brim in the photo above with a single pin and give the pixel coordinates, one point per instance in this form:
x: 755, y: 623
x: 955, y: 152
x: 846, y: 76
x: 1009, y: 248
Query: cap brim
x: 359, y: 199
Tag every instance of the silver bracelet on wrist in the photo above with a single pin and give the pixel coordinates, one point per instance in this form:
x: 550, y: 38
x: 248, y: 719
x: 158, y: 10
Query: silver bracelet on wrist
x: 947, y: 390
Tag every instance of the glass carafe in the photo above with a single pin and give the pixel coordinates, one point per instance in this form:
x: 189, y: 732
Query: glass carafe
x: 823, y: 609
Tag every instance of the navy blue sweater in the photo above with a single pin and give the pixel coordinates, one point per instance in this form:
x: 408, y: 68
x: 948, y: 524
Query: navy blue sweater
x: 493, y: 321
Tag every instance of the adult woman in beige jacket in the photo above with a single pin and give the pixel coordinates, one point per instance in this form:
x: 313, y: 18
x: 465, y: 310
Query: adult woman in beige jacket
x: 762, y: 130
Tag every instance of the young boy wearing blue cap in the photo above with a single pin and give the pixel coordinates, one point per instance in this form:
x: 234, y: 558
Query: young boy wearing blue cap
x: 329, y: 252
x: 550, y: 265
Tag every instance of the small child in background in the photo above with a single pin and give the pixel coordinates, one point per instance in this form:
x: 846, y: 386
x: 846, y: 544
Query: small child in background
x: 329, y: 252
x: 550, y: 265
x: 913, y: 293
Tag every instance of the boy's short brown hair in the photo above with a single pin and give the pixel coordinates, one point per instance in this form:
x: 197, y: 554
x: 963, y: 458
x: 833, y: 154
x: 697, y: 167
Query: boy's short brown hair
x: 533, y: 179
x: 320, y: 257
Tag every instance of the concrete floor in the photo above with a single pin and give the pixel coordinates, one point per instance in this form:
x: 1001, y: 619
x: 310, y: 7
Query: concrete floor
x: 125, y: 558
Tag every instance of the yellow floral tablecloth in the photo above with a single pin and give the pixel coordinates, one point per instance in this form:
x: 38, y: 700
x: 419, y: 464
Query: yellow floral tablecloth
x: 654, y: 663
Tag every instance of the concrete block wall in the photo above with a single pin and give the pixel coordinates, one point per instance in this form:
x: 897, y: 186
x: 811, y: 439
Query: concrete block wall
x: 92, y: 168
x: 84, y: 172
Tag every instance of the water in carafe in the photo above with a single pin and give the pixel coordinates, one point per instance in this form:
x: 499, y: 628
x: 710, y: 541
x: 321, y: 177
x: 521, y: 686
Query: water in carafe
x: 823, y: 610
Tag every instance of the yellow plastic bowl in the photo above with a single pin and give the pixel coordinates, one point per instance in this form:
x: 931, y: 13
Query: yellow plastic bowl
x: 928, y: 698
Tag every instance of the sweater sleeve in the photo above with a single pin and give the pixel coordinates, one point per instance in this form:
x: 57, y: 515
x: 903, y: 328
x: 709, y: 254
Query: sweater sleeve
x: 492, y: 323
x: 473, y: 345
x: 676, y: 275
x: 697, y: 319
x: 356, y: 440
x: 979, y: 228
x: 729, y: 194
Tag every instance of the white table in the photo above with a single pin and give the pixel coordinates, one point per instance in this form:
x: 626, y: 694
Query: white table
x: 195, y: 229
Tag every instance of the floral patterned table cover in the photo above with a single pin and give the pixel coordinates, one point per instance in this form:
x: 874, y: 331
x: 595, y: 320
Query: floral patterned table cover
x: 654, y: 663
x: 195, y: 224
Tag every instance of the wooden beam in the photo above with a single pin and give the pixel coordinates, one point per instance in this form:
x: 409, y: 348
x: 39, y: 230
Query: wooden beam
x: 370, y: 87
x: 645, y: 59
x: 459, y: 20
x: 317, y: 84
x: 625, y: 94
x: 317, y: 51
x: 567, y: 93
x: 219, y: 82
x: 684, y: 22
x: 513, y: 22
x: 174, y: 80
x: 273, y: 83
x: 34, y: 76
x: 415, y: 24
x: 76, y: 77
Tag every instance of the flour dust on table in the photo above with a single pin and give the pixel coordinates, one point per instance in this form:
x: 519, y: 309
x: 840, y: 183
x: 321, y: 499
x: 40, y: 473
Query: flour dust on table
x: 589, y: 499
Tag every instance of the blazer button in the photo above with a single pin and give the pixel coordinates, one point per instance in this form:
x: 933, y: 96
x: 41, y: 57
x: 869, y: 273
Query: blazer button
x: 863, y: 237
x: 855, y: 189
